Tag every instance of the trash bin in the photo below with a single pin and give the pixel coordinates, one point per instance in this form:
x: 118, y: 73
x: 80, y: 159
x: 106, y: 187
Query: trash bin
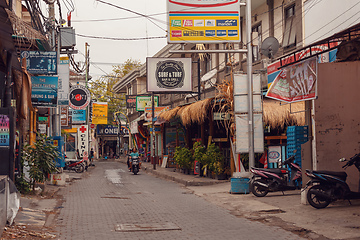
x: 240, y: 185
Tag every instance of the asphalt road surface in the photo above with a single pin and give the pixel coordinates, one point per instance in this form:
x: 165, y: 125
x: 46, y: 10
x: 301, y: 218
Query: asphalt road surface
x: 111, y: 203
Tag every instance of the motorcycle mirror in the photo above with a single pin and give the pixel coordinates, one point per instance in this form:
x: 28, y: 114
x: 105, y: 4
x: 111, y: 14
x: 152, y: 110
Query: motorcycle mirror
x: 342, y: 159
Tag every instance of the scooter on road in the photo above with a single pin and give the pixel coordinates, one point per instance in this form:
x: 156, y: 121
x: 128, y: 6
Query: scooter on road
x: 266, y: 180
x: 329, y: 186
x: 135, y: 165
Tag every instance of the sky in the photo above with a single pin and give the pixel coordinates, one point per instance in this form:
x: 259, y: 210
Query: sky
x: 105, y: 53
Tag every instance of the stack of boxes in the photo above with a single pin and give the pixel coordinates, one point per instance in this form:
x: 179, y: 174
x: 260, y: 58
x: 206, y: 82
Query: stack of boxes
x: 296, y: 135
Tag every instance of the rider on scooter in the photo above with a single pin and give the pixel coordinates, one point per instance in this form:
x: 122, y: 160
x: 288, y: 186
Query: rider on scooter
x: 134, y: 154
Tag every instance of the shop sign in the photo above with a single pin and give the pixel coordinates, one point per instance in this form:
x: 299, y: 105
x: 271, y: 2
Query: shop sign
x: 40, y: 62
x: 64, y: 116
x: 78, y: 116
x: 145, y: 101
x: 157, y: 111
x: 4, y: 130
x: 296, y: 82
x: 274, y: 155
x: 169, y: 75
x: 221, y: 116
x: 44, y: 91
x: 100, y: 113
x: 64, y: 76
x: 107, y: 130
x: 79, y: 97
x: 42, y: 128
x: 205, y: 21
x: 130, y: 101
x: 83, y: 140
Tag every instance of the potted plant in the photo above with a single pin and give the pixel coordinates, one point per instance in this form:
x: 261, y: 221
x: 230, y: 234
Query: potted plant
x: 198, y: 153
x: 40, y: 158
x: 215, y: 160
x: 184, y: 158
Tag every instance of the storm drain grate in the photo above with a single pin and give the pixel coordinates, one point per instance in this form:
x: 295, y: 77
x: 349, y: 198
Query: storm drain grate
x: 128, y: 227
x: 116, y: 197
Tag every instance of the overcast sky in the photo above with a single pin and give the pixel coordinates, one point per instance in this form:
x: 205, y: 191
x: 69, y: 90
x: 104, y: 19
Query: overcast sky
x: 104, y: 53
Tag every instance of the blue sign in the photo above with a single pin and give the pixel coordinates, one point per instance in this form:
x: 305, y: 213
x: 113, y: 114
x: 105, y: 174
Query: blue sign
x: 226, y: 23
x: 40, y: 62
x: 210, y: 33
x: 77, y: 116
x: 221, y: 33
x: 106, y: 130
x: 44, y: 91
x: 232, y: 33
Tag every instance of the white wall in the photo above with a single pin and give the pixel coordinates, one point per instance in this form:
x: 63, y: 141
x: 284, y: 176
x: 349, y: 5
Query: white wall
x: 325, y: 18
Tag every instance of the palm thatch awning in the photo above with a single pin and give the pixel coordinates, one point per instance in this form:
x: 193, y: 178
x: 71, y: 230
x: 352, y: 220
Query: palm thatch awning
x: 275, y: 113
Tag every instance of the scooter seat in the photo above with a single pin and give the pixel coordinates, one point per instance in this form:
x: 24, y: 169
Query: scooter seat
x: 272, y: 170
x: 341, y: 175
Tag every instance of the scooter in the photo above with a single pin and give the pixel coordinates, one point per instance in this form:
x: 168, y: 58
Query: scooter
x: 77, y: 166
x: 329, y: 186
x: 266, y: 180
x: 135, y: 165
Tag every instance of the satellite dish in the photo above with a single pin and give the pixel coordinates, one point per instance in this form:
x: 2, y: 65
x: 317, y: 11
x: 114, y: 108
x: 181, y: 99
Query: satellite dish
x: 209, y: 75
x: 270, y: 46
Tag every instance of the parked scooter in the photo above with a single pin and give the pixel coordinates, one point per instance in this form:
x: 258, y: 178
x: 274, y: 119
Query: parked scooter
x: 135, y: 165
x: 266, y: 180
x: 329, y: 186
x: 77, y: 166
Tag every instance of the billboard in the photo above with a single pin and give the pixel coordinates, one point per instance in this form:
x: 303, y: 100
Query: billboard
x: 100, y: 113
x: 204, y: 21
x: 44, y: 91
x: 40, y: 62
x: 64, y: 76
x: 157, y: 111
x: 130, y: 101
x: 145, y: 101
x: 77, y: 116
x: 296, y: 82
x: 168, y: 75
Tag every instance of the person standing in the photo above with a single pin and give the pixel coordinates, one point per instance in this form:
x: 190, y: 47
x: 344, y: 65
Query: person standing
x: 126, y: 148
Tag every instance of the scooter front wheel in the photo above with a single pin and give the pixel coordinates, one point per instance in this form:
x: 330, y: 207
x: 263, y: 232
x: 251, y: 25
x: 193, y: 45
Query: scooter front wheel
x: 257, y: 189
x: 135, y: 170
x: 317, y: 198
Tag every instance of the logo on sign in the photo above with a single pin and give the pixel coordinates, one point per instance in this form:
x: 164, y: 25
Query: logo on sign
x: 221, y: 33
x: 79, y: 97
x: 193, y: 33
x: 198, y: 23
x: 273, y: 155
x: 210, y: 23
x: 170, y: 74
x: 176, y: 23
x: 187, y: 23
x: 210, y: 33
x: 176, y: 33
x: 232, y: 33
x: 226, y: 23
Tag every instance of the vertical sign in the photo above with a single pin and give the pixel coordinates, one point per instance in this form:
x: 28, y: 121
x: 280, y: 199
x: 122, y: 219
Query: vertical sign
x: 63, y: 85
x: 64, y: 116
x: 100, y: 113
x: 4, y: 131
x: 83, y: 140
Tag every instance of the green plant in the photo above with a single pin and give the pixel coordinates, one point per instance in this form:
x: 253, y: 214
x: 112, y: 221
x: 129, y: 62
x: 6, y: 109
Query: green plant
x: 214, y: 159
x: 199, y: 151
x: 40, y: 158
x: 183, y: 157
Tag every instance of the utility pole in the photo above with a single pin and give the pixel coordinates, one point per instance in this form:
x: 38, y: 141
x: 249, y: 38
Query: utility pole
x: 153, y: 129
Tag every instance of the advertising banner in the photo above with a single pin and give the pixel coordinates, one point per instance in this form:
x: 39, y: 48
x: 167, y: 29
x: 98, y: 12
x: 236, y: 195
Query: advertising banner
x: 205, y: 21
x: 79, y: 97
x: 130, y: 101
x: 63, y: 85
x: 157, y: 111
x: 4, y: 130
x: 169, y: 75
x: 100, y: 113
x: 40, y: 62
x: 44, y: 91
x: 83, y: 141
x: 296, y: 82
x: 145, y: 101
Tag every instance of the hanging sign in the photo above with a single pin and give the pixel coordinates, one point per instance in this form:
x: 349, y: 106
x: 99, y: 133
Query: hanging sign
x: 274, y: 155
x: 157, y: 111
x: 130, y: 101
x: 83, y: 140
x: 169, y: 75
x: 44, y: 91
x: 4, y: 130
x: 64, y: 76
x: 100, y: 113
x: 145, y: 101
x: 79, y: 97
x: 205, y: 21
x: 64, y: 116
x: 40, y: 62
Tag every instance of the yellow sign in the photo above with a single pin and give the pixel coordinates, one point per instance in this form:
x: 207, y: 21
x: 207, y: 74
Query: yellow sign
x: 100, y: 113
x: 206, y: 21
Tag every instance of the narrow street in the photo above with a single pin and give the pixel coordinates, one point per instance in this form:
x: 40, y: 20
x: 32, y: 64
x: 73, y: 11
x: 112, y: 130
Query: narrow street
x: 112, y: 203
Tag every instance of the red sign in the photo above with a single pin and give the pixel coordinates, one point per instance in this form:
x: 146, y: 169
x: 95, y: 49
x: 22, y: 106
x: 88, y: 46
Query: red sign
x: 92, y: 126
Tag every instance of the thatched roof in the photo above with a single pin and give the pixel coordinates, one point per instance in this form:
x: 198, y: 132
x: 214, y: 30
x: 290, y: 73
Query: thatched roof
x: 191, y: 113
x: 279, y: 114
x: 276, y: 114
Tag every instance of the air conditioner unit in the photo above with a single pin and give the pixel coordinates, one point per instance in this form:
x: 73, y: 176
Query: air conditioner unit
x: 67, y: 37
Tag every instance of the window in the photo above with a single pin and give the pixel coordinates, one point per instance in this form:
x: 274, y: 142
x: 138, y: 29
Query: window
x: 289, y: 39
x: 256, y: 42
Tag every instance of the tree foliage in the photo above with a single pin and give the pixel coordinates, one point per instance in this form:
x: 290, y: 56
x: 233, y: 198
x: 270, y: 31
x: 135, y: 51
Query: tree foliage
x: 102, y: 88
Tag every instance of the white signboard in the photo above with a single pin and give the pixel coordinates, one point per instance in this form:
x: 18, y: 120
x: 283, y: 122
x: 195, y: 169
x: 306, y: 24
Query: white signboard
x: 274, y: 155
x: 63, y: 83
x: 83, y: 141
x: 242, y: 133
x: 241, y: 99
x: 169, y: 75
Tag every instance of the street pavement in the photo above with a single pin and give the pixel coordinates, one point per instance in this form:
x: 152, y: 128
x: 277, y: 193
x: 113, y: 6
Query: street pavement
x: 111, y: 203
